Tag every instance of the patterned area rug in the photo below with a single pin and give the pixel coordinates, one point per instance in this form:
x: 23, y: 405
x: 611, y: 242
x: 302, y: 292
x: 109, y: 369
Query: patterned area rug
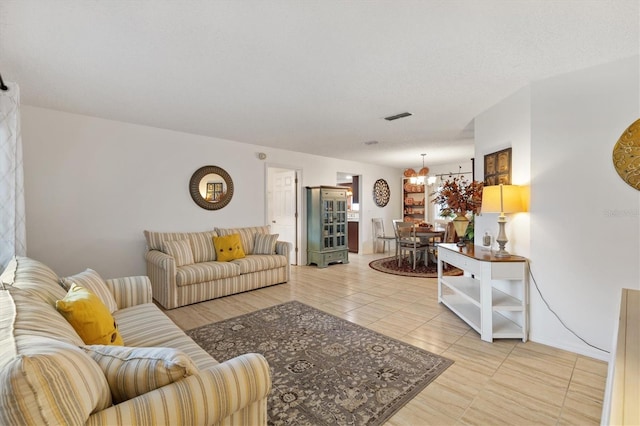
x: 325, y: 370
x: 389, y: 265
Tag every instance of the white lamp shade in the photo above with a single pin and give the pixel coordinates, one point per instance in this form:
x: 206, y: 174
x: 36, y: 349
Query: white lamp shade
x: 502, y: 199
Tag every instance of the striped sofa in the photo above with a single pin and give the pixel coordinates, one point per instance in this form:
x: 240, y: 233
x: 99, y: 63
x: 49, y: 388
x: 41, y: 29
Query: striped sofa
x: 180, y: 278
x: 49, y: 376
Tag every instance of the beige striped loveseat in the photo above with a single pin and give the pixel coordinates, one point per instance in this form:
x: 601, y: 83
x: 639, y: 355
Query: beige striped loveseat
x: 49, y: 376
x: 183, y: 269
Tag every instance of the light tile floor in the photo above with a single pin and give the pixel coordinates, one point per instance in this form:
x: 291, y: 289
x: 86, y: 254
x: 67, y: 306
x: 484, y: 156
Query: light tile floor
x: 506, y: 382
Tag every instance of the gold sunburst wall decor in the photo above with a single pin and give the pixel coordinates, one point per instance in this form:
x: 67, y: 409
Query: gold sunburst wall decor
x: 626, y: 155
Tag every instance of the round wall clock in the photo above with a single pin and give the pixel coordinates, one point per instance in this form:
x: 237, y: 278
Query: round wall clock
x: 626, y: 155
x: 381, y: 192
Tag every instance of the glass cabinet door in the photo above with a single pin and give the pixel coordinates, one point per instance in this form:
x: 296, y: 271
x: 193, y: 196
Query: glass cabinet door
x: 334, y: 223
x: 328, y: 227
x: 341, y: 223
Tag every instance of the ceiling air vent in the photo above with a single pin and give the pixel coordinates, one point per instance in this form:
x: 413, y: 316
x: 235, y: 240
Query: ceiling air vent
x: 401, y: 115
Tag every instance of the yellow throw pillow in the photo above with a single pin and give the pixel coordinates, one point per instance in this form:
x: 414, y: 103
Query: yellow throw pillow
x: 228, y: 248
x: 89, y: 317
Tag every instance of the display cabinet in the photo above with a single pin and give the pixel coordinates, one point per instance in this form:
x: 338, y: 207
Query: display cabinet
x: 491, y: 296
x: 414, y: 201
x: 327, y: 231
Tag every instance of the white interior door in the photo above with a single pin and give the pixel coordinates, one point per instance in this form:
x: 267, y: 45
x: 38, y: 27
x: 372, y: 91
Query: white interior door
x: 283, y: 207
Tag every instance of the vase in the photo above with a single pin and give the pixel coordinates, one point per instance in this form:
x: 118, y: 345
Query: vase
x: 460, y: 224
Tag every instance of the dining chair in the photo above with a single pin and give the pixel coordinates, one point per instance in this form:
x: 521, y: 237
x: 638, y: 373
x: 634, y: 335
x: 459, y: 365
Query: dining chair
x: 434, y: 242
x: 379, y: 235
x: 449, y: 237
x: 409, y: 242
x: 450, y: 233
x: 395, y: 233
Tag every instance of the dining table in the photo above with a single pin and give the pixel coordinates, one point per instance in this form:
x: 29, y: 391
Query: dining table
x: 426, y: 235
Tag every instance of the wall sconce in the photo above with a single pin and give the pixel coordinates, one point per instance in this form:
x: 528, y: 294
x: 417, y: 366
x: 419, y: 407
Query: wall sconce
x: 502, y: 199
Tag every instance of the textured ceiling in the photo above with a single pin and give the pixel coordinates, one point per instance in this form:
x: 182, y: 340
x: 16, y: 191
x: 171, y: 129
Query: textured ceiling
x: 309, y: 76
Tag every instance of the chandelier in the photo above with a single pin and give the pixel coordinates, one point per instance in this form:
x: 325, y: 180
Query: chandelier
x: 423, y: 175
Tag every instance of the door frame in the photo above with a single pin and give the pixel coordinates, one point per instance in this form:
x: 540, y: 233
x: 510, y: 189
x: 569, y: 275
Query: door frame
x: 298, y: 205
x: 360, y: 199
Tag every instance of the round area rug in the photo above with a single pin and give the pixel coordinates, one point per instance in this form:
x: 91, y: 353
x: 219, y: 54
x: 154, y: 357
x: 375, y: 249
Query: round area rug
x: 389, y: 265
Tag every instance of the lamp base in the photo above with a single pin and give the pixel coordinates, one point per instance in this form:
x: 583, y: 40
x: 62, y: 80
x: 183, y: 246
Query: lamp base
x: 501, y: 239
x: 502, y: 253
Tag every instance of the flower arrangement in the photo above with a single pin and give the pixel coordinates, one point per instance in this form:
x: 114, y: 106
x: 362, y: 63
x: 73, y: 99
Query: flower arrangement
x: 459, y: 196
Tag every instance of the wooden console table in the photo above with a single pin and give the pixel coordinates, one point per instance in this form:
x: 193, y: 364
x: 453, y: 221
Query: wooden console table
x: 491, y: 296
x: 622, y: 393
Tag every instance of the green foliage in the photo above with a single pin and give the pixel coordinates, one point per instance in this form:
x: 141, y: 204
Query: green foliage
x: 469, y: 235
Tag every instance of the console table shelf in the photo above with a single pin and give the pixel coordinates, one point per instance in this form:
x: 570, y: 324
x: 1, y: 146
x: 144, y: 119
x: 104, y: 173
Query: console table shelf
x: 475, y: 298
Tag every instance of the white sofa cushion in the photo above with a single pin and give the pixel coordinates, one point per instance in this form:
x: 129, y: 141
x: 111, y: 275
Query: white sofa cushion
x: 205, y: 271
x: 37, y: 318
x: 260, y: 262
x: 145, y: 325
x: 134, y: 371
x: 34, y: 277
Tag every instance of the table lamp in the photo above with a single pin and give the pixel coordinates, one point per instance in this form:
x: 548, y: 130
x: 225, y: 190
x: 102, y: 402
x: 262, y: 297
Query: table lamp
x: 502, y: 199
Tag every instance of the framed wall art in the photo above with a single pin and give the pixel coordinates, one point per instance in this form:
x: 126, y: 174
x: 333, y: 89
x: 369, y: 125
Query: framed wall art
x: 497, y: 168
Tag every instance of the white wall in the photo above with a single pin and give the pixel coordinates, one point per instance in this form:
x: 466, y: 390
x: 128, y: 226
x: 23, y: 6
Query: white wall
x: 582, y: 232
x: 92, y: 186
x: 582, y: 253
x: 506, y: 125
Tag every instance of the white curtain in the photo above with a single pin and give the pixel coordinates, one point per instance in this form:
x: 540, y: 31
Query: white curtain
x: 13, y: 240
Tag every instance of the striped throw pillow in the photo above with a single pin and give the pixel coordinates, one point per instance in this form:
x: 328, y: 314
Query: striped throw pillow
x: 93, y: 282
x: 265, y: 243
x: 135, y: 371
x: 50, y: 382
x: 180, y: 250
x: 201, y: 243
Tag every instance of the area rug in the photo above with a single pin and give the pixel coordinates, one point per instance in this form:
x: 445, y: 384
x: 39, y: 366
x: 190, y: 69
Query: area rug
x: 389, y: 265
x: 325, y: 370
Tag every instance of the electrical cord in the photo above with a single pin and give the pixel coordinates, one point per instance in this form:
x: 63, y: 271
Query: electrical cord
x: 3, y: 86
x: 556, y: 315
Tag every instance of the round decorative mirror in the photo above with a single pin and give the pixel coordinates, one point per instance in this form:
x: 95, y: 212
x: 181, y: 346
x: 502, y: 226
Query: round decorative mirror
x: 211, y: 187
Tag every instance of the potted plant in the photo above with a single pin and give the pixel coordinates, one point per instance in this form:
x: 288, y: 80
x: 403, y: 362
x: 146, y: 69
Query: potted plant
x: 459, y: 196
